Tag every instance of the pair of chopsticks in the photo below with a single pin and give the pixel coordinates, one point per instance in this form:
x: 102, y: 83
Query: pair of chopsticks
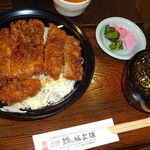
x: 124, y: 127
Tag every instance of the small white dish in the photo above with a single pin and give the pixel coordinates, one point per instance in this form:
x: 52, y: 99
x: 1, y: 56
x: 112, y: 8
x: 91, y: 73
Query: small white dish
x: 70, y: 9
x: 127, y: 24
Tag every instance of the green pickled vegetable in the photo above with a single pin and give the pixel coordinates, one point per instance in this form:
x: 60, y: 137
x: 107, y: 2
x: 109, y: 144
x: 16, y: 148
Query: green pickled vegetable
x: 116, y: 46
x: 112, y: 35
x: 113, y: 45
x: 109, y: 29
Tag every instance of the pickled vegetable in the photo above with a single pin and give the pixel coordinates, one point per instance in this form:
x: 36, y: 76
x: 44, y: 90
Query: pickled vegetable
x: 116, y: 46
x: 112, y: 35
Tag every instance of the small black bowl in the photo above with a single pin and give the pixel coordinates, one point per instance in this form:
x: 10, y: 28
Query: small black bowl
x: 136, y: 81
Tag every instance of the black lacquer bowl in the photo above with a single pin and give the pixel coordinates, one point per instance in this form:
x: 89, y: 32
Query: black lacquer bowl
x: 71, y: 29
x: 136, y: 83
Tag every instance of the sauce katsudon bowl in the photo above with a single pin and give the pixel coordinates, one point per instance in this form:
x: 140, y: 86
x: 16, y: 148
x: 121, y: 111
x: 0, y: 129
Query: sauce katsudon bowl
x: 136, y: 83
x: 77, y: 88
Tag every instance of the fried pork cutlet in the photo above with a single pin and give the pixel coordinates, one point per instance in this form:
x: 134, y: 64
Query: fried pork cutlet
x: 17, y: 90
x: 54, y: 51
x: 73, y: 69
x: 22, y: 54
x: 26, y: 48
x: 4, y: 54
x: 2, y: 82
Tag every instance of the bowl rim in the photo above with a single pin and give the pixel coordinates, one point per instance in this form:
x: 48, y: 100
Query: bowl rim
x: 73, y: 3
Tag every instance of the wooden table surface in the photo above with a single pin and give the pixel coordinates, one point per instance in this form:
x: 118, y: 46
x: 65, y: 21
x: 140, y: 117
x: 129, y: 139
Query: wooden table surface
x: 104, y: 98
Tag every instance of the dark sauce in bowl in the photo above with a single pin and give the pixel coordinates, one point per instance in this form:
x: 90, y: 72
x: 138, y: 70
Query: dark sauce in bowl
x: 136, y: 84
x: 140, y: 76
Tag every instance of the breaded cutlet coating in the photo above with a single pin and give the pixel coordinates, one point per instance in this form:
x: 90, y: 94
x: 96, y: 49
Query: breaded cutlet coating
x: 27, y: 48
x: 54, y: 51
x: 73, y: 69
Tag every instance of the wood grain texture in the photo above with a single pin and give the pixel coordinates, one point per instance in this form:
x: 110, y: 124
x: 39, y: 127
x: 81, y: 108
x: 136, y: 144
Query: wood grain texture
x: 104, y: 98
x: 95, y: 12
x: 5, y: 5
x: 144, y: 7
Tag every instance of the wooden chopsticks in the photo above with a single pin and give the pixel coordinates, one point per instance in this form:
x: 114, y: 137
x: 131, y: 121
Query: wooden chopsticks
x: 124, y: 127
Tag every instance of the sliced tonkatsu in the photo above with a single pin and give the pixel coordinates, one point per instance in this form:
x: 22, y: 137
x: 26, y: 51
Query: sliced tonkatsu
x: 17, y: 90
x: 73, y: 69
x: 4, y: 54
x: 23, y: 54
x: 26, y: 48
x: 54, y: 51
